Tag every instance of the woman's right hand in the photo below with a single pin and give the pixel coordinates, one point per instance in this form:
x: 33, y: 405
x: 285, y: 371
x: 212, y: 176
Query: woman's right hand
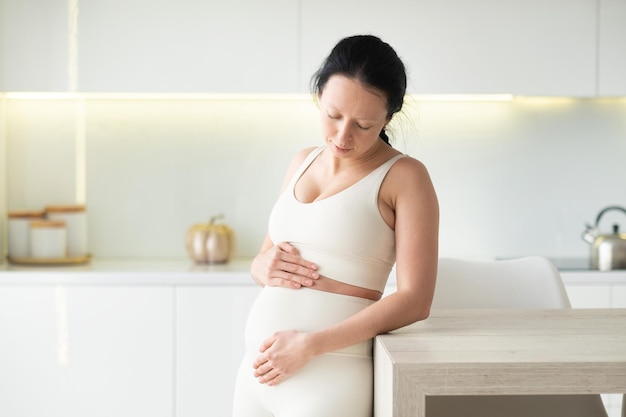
x: 282, y: 266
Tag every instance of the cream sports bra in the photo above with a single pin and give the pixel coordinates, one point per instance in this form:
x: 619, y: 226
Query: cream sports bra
x: 344, y: 234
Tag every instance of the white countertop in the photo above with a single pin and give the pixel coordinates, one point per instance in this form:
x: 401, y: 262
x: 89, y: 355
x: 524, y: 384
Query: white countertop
x: 184, y: 272
x: 594, y: 277
x: 129, y: 272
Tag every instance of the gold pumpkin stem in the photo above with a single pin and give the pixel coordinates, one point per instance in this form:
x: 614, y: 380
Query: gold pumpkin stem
x: 216, y: 217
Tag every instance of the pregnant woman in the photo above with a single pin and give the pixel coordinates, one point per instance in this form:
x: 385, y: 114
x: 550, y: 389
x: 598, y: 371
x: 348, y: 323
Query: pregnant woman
x: 348, y: 211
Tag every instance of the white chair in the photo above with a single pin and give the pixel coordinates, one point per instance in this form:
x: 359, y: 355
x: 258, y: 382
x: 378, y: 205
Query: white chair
x: 532, y: 282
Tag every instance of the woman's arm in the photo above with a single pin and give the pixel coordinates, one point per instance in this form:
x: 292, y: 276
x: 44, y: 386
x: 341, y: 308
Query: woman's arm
x: 409, y: 192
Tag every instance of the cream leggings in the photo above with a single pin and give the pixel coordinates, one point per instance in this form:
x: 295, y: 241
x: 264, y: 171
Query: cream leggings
x: 338, y: 384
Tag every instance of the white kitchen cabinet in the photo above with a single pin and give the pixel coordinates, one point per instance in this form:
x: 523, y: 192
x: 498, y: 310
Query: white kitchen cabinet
x: 589, y: 295
x: 458, y: 46
x: 246, y: 46
x: 86, y: 351
x: 618, y: 296
x: 120, y: 351
x: 612, y: 48
x: 210, y: 346
x: 240, y: 46
x: 34, y: 39
x: 29, y: 353
x: 595, y: 289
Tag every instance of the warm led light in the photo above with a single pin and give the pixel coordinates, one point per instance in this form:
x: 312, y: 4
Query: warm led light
x: 548, y: 99
x: 37, y: 95
x: 17, y: 95
x: 227, y: 96
x: 61, y: 95
x: 463, y: 97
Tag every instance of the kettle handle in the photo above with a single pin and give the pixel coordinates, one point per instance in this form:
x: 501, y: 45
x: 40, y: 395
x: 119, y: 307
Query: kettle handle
x: 608, y: 209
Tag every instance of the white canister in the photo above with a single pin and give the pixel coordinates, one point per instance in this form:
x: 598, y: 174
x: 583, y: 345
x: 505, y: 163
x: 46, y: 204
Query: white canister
x: 48, y: 239
x: 19, y: 232
x: 75, y: 218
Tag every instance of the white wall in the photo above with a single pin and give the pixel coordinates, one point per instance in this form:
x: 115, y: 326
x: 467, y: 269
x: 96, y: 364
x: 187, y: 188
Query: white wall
x: 513, y: 178
x: 523, y: 177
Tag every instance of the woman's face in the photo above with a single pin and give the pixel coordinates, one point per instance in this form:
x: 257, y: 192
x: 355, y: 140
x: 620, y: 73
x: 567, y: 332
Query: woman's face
x: 352, y: 116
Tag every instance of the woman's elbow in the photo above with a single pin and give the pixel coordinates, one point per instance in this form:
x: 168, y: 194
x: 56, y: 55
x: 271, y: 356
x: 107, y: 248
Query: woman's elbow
x: 418, y: 311
x: 416, y: 305
x: 421, y: 312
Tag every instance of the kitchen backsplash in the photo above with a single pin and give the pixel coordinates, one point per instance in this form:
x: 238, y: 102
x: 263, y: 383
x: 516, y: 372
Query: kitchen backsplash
x: 513, y: 177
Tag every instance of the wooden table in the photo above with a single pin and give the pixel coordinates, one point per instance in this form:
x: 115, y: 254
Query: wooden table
x: 499, y: 352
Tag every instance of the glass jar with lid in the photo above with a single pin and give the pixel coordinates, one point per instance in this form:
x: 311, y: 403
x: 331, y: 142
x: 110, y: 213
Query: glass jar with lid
x: 19, y: 232
x: 48, y: 239
x: 75, y: 218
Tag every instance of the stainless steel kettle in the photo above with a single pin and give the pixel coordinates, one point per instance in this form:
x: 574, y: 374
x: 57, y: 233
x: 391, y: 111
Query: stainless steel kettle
x: 608, y: 251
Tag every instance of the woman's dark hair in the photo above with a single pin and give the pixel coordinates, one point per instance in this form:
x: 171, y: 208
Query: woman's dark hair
x: 371, y: 61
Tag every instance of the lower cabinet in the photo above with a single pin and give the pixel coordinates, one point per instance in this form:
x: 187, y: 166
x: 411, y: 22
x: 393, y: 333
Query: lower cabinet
x: 75, y: 351
x: 618, y: 300
x: 29, y: 365
x: 597, y: 295
x: 210, y: 324
x: 86, y: 351
x: 589, y: 295
x: 595, y: 289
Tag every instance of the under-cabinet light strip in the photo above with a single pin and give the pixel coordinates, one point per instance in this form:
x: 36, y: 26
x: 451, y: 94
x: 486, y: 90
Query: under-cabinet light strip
x: 227, y: 96
x: 60, y: 95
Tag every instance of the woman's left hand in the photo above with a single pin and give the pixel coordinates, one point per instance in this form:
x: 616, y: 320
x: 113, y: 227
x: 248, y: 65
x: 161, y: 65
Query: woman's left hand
x: 282, y: 355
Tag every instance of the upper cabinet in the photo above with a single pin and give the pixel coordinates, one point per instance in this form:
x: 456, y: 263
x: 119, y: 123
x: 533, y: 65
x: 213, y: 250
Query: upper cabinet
x: 552, y: 47
x: 242, y: 46
x: 612, y: 48
x: 34, y: 45
x: 468, y: 47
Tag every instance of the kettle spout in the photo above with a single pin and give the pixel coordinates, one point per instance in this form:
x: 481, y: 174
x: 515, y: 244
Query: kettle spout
x: 590, y: 234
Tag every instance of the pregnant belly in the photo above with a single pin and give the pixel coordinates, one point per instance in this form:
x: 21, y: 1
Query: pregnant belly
x: 278, y: 308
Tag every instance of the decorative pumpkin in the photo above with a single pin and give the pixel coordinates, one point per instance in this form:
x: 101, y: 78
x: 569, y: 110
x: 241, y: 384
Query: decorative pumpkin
x: 211, y: 243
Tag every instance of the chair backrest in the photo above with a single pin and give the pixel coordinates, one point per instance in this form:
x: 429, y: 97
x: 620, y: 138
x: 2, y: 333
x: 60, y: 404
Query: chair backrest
x: 530, y: 282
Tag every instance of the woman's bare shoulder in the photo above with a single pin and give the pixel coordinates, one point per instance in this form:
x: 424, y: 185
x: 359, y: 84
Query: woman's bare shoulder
x: 408, y: 176
x: 409, y: 169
